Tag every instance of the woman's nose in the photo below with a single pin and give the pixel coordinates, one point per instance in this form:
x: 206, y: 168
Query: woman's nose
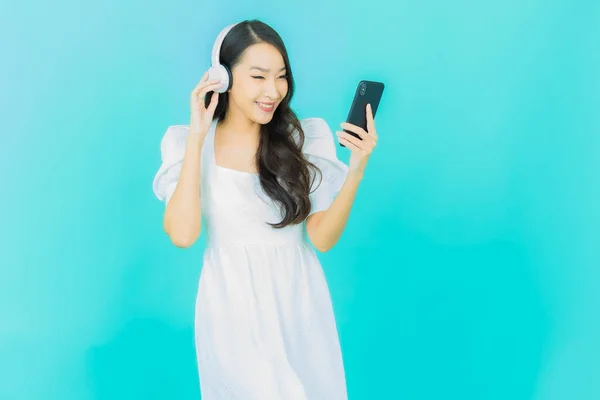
x: 271, y: 89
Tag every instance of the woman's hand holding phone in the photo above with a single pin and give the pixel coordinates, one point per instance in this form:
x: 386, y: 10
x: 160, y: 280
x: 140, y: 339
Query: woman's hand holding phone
x: 358, y: 132
x: 361, y: 147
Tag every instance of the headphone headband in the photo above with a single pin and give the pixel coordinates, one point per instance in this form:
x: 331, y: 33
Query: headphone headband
x: 218, y: 71
x: 217, y: 46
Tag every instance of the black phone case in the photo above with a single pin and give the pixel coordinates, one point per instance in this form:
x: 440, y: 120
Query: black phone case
x: 367, y: 92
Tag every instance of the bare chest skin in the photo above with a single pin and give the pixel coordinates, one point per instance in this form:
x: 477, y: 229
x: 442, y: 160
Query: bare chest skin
x: 239, y: 155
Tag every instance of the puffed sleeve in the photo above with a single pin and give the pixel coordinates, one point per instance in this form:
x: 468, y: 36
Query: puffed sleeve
x: 172, y: 149
x: 320, y: 149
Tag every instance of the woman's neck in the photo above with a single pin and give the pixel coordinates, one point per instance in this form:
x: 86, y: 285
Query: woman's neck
x: 240, y: 127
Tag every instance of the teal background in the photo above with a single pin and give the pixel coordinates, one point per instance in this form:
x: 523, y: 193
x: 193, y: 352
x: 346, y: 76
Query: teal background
x: 469, y: 269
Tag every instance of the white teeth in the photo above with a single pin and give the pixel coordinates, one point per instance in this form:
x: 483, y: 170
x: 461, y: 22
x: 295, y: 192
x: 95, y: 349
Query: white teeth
x: 266, y: 105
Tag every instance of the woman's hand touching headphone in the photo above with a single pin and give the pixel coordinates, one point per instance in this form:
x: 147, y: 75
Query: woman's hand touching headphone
x: 201, y: 116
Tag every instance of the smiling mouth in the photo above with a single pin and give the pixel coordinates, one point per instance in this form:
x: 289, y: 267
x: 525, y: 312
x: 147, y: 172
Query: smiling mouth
x: 266, y: 107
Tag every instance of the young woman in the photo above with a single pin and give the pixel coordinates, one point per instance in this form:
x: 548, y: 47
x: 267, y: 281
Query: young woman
x: 265, y: 187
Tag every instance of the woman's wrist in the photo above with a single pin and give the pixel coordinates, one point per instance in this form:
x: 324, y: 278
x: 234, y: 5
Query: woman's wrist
x: 355, y: 176
x: 195, y: 141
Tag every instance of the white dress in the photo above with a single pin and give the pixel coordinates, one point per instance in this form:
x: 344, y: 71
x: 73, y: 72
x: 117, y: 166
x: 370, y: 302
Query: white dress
x: 264, y: 325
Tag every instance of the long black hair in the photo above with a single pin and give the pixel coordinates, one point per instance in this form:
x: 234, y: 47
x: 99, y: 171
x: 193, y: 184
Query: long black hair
x: 283, y: 170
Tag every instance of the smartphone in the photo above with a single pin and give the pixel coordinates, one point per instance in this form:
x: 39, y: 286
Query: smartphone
x: 367, y: 92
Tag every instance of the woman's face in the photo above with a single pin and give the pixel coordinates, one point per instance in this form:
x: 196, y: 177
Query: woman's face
x: 259, y: 82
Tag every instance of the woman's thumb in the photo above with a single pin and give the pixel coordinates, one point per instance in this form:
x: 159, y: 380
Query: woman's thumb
x: 213, y: 101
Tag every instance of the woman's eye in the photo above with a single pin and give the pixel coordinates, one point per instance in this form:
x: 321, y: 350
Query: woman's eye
x: 262, y: 77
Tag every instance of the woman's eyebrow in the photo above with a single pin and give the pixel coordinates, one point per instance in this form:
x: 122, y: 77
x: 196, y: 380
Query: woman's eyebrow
x: 265, y: 69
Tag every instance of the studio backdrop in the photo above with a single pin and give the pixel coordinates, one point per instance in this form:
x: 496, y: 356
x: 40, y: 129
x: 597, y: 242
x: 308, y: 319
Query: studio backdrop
x: 469, y: 269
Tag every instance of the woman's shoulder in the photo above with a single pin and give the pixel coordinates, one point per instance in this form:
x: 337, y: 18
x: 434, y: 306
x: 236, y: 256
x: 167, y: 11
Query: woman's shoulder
x: 315, y: 130
x: 173, y: 142
x: 315, y: 127
x: 320, y: 149
x: 317, y: 134
x: 175, y: 133
x: 174, y: 139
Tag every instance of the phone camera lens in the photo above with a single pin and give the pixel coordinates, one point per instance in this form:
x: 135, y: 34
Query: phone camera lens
x: 363, y: 89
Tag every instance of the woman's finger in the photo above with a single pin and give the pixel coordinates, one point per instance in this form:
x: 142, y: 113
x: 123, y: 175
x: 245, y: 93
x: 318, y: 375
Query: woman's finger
x: 364, y: 136
x: 207, y: 87
x: 360, y: 144
x: 348, y: 144
x: 202, y: 80
x: 201, y: 91
x: 355, y: 129
x: 371, y: 123
x: 205, y: 84
x: 213, y: 102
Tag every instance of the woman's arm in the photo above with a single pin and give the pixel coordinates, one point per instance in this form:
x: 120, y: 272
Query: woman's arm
x: 325, y: 228
x: 182, y: 218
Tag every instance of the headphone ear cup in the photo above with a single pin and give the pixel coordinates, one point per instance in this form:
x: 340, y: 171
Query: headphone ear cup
x: 223, y: 74
x: 229, y: 79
